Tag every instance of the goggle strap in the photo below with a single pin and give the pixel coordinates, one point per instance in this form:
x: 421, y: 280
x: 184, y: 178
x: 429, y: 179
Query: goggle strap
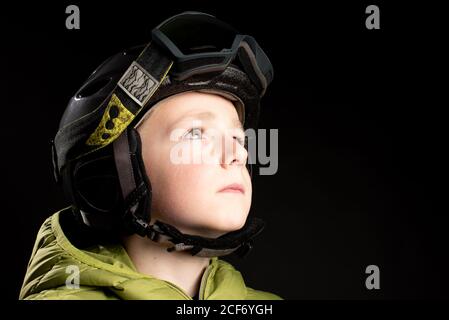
x: 134, y: 89
x: 251, y: 65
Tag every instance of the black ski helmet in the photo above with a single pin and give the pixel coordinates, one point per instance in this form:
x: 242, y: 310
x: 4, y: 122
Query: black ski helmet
x: 97, y: 150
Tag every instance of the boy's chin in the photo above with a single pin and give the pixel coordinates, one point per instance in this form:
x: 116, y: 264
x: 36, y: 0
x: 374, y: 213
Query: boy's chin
x: 229, y: 228
x: 216, y: 231
x: 221, y: 224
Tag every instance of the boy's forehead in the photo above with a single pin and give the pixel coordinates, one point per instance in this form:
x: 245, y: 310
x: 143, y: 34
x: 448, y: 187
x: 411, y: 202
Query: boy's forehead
x: 193, y: 105
x: 201, y: 106
x: 205, y: 115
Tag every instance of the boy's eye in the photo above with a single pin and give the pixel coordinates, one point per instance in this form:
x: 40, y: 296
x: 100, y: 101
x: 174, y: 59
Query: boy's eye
x: 197, y: 134
x: 194, y: 133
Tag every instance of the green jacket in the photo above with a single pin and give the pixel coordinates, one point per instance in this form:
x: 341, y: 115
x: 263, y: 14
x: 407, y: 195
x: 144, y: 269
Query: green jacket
x: 107, y: 272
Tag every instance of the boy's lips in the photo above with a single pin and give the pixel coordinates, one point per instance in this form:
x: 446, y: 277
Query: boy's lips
x: 233, y: 188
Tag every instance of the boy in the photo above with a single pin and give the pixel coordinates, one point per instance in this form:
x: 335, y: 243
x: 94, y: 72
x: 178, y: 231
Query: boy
x: 151, y: 152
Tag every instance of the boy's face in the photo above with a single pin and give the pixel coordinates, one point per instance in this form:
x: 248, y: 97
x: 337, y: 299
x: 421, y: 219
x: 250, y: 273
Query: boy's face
x: 204, y: 130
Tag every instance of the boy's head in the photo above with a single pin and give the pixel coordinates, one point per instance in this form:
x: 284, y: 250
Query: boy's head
x: 153, y: 142
x: 205, y: 130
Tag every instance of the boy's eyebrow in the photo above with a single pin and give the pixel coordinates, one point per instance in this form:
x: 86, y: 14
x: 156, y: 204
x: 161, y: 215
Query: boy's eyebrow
x: 206, y: 115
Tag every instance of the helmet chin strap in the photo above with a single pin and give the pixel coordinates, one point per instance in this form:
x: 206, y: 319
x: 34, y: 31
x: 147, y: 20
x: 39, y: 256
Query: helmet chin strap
x: 239, y: 241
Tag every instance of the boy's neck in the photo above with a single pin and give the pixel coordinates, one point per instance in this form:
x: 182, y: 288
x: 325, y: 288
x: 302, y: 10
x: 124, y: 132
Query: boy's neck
x: 179, y: 268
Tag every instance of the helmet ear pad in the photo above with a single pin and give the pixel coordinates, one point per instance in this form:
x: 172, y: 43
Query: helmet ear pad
x: 96, y: 185
x: 110, y: 187
x: 92, y: 185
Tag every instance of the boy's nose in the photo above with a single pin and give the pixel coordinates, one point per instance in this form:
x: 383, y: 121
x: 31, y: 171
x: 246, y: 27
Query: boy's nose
x: 233, y: 153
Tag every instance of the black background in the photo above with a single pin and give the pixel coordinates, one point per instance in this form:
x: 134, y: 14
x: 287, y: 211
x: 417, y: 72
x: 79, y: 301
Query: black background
x: 360, y: 121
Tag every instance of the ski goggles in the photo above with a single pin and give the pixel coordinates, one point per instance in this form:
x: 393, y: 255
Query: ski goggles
x: 200, y: 43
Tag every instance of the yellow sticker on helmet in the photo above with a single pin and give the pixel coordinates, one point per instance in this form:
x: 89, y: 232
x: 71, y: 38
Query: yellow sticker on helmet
x: 114, y: 121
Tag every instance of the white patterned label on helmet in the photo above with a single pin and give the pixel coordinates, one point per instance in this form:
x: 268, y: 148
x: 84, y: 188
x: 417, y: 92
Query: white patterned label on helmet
x: 138, y: 83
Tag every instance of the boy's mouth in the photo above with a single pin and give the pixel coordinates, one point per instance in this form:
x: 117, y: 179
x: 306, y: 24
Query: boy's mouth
x: 233, y: 188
